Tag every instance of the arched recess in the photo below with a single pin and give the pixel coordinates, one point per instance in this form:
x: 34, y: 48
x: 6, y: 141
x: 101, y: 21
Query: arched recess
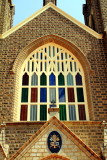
x: 65, y: 44
x: 55, y: 157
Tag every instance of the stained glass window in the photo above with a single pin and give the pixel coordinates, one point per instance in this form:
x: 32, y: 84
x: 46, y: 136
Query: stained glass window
x: 72, y: 112
x: 52, y: 80
x: 62, y: 112
x: 33, y: 113
x: 62, y: 95
x: 23, y: 114
x: 34, y: 94
x: 34, y: 80
x: 78, y: 79
x: 70, y: 79
x: 43, y: 95
x: 25, y: 80
x: 52, y: 76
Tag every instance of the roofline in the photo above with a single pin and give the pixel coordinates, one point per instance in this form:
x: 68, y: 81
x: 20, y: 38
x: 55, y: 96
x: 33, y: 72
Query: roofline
x: 23, y: 123
x: 3, y: 153
x: 88, y: 151
x: 87, y: 29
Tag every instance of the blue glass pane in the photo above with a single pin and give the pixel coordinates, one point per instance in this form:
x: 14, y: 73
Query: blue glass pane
x: 61, y: 94
x: 43, y: 95
x: 72, y: 112
x: 70, y: 79
x: 52, y: 80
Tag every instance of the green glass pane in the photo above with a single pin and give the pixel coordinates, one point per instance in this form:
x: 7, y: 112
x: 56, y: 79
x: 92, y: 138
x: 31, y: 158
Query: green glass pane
x: 62, y: 112
x: 61, y: 81
x: 24, y: 97
x: 80, y: 95
x: 43, y: 80
x: 43, y: 112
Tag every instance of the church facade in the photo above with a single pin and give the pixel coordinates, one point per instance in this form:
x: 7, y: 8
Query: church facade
x: 53, y: 84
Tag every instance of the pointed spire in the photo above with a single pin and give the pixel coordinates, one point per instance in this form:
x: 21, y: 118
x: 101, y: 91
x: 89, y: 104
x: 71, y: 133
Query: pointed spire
x: 45, y: 2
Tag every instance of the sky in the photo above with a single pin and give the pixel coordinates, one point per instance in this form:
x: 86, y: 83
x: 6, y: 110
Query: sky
x: 25, y: 8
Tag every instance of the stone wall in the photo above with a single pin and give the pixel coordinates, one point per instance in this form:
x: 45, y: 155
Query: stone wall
x: 6, y: 15
x: 103, y: 6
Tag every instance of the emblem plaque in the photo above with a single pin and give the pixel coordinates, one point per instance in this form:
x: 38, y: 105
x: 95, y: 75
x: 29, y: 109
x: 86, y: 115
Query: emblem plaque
x: 54, y: 142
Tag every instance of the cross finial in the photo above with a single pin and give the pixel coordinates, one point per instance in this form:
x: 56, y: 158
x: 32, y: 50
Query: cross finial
x: 45, y: 2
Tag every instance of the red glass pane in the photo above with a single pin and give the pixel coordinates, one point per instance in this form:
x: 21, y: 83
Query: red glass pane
x: 34, y: 94
x: 23, y: 114
x: 71, y: 97
x: 81, y: 110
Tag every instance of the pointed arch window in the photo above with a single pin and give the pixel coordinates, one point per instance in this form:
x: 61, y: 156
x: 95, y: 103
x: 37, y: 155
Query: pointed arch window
x: 51, y: 74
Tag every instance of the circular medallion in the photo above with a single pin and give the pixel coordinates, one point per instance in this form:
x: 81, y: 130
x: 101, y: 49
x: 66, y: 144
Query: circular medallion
x: 54, y: 142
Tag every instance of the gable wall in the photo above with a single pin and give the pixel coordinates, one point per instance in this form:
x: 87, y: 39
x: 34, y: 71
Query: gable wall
x: 51, y: 22
x: 40, y: 149
x: 16, y: 134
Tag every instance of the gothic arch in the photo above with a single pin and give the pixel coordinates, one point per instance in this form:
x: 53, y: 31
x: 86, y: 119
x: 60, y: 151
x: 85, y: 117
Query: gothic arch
x: 47, y: 39
x: 55, y: 157
x: 65, y: 44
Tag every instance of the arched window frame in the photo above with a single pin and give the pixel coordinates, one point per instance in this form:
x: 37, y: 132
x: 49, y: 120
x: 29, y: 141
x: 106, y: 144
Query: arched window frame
x: 82, y: 73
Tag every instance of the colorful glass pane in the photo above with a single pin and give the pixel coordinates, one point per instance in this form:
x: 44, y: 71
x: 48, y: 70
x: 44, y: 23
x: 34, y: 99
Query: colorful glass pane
x: 80, y: 95
x: 71, y: 97
x: 23, y: 114
x: 33, y: 112
x: 43, y: 112
x: 62, y: 112
x: 78, y: 79
x: 34, y: 94
x: 72, y: 112
x: 61, y: 80
x: 62, y: 95
x: 70, y: 80
x: 43, y: 95
x: 81, y: 110
x: 52, y: 80
x: 25, y: 80
x: 34, y: 80
x: 24, y: 97
x: 43, y: 80
x: 52, y: 94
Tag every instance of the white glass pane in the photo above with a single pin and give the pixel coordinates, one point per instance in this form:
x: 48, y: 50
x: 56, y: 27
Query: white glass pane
x: 52, y: 95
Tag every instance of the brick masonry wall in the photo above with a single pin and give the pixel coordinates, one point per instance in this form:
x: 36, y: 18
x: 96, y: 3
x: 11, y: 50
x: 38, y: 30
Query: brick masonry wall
x: 51, y: 22
x: 17, y: 134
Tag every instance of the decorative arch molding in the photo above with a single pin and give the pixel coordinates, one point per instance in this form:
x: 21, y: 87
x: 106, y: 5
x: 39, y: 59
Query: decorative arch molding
x: 55, y: 39
x: 54, y: 157
x: 63, y: 43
